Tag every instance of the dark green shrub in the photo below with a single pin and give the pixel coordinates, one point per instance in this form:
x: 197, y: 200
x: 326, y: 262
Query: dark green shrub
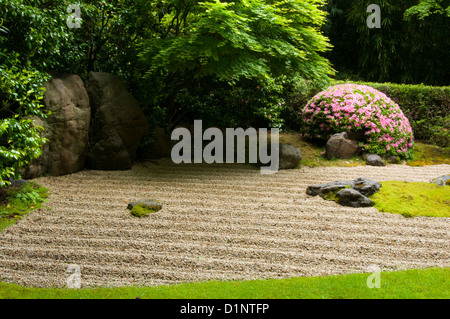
x: 297, y: 93
x: 410, y: 47
x: 33, y: 39
x: 244, y: 104
x: 21, y: 91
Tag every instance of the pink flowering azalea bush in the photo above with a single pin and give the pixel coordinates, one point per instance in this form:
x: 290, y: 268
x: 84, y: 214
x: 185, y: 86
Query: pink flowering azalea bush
x: 360, y: 109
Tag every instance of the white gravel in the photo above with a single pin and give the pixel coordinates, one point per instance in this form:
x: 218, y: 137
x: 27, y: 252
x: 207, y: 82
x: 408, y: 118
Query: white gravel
x: 218, y: 222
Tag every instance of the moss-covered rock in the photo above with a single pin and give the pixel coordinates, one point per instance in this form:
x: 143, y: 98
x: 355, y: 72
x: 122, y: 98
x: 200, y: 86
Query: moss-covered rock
x: 141, y: 210
x: 347, y: 193
x: 145, y: 207
x: 442, y: 181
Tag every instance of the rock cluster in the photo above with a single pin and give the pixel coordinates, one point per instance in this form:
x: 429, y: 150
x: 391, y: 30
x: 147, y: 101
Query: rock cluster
x: 345, y: 145
x: 354, y: 193
x: 97, y: 124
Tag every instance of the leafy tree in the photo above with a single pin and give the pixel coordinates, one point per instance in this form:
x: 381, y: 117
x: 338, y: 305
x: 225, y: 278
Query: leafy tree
x: 410, y: 47
x: 426, y: 8
x: 160, y: 47
x: 230, y: 41
x: 32, y: 39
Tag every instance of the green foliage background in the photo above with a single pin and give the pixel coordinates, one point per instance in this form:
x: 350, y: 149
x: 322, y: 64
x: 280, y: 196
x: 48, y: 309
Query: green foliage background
x: 231, y: 63
x: 410, y: 47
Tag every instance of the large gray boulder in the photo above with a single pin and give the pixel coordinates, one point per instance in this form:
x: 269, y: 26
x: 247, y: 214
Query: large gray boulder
x: 374, y: 160
x: 290, y: 156
x: 67, y: 128
x: 117, y: 124
x: 340, y: 146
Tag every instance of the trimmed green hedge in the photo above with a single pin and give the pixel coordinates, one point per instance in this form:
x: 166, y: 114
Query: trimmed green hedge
x: 426, y: 107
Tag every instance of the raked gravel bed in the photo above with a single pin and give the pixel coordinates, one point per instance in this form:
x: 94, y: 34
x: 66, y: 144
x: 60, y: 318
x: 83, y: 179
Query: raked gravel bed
x: 218, y: 222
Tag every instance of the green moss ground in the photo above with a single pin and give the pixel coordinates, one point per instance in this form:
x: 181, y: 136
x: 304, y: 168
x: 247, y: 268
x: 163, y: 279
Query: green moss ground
x: 413, y: 199
x: 424, y: 154
x: 313, y: 154
x: 15, y: 202
x: 433, y: 283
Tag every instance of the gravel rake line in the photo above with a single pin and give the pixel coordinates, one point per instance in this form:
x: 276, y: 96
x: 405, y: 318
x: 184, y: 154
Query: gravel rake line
x: 211, y: 234
x: 305, y: 175
x: 431, y: 245
x: 354, y: 216
x: 270, y: 252
x: 315, y: 227
x: 219, y: 222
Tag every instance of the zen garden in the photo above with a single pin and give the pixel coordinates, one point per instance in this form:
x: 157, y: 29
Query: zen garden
x: 218, y: 149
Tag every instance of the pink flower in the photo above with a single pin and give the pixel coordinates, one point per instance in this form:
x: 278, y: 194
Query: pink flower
x: 350, y: 106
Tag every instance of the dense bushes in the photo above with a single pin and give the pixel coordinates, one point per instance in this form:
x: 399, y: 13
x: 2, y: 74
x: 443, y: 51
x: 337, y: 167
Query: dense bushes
x: 21, y: 91
x: 426, y: 107
x: 360, y: 109
x: 31, y: 39
x: 410, y: 47
x: 232, y: 42
x: 224, y: 105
